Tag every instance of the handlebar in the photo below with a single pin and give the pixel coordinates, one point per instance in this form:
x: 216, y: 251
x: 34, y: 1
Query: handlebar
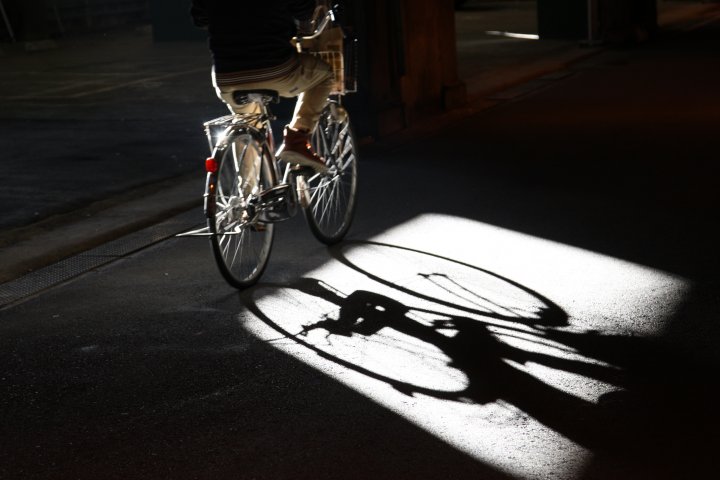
x: 327, y: 19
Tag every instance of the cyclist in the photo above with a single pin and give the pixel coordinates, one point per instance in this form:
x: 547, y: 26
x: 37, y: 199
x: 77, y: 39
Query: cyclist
x: 251, y: 50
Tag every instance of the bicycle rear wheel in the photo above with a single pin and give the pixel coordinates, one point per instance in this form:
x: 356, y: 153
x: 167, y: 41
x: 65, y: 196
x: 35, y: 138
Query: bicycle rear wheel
x: 241, y: 244
x: 333, y: 195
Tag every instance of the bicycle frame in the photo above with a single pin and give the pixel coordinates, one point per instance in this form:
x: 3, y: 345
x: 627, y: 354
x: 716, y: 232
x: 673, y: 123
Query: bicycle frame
x: 220, y: 133
x: 285, y: 193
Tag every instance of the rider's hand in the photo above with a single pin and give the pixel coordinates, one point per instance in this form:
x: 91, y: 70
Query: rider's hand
x: 305, y: 27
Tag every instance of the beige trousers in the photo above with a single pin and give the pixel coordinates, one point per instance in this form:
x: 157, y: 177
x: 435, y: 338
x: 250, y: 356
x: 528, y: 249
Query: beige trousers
x: 311, y: 83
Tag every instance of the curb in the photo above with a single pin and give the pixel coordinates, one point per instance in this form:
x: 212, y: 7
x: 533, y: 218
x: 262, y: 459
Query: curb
x: 26, y: 249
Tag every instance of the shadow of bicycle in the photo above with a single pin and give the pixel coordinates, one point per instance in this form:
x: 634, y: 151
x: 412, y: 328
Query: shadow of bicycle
x: 430, y: 326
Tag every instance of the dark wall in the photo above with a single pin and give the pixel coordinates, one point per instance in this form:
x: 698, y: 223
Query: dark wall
x: 33, y: 20
x: 28, y: 19
x: 171, y: 21
x: 408, y: 67
x: 616, y: 20
x: 627, y: 20
x: 566, y: 19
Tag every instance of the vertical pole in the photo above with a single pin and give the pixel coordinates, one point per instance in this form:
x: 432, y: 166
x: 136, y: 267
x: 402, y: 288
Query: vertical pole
x: 592, y: 33
x: 595, y: 36
x: 7, y: 22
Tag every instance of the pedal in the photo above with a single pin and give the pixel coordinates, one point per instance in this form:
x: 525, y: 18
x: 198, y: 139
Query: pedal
x: 276, y: 204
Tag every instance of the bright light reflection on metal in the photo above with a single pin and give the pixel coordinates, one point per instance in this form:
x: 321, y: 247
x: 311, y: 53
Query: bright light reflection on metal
x: 524, y: 36
x: 463, y: 327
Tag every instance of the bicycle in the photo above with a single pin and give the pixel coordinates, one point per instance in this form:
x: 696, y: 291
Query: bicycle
x: 245, y: 193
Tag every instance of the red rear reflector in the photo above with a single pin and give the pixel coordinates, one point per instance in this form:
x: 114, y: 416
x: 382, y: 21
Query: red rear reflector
x: 211, y: 165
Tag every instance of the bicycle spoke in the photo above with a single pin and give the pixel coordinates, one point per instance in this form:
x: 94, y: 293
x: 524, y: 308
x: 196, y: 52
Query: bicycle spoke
x: 238, y: 247
x: 241, y: 250
x: 321, y: 208
x: 332, y: 196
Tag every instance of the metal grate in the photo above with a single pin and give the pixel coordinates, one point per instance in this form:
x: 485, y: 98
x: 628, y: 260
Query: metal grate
x: 70, y: 268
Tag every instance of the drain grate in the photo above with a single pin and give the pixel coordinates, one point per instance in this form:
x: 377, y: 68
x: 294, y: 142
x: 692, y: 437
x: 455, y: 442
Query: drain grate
x: 33, y: 283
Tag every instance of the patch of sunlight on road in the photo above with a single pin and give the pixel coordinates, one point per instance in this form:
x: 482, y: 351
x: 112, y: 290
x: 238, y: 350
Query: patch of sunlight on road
x: 475, y: 333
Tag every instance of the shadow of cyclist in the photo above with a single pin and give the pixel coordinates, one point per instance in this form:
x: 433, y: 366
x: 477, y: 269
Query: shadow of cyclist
x: 647, y: 425
x: 486, y: 361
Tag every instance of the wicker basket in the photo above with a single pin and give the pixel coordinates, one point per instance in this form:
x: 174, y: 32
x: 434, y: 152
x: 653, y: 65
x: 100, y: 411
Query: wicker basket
x: 336, y: 61
x: 340, y: 52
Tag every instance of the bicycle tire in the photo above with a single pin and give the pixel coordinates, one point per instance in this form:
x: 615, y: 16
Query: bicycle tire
x: 333, y: 195
x: 241, y: 244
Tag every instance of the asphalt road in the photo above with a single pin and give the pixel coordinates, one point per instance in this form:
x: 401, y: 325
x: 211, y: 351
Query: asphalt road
x: 96, y: 117
x: 529, y: 293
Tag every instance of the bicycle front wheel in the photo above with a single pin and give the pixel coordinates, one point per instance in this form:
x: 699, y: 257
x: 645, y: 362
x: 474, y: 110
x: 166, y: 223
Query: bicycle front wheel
x: 333, y: 194
x: 241, y: 244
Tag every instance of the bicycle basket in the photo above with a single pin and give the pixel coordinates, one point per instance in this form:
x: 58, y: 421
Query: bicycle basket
x: 343, y: 60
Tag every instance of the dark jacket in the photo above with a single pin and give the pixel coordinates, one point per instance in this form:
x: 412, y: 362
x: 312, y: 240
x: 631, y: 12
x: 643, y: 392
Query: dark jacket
x: 250, y: 34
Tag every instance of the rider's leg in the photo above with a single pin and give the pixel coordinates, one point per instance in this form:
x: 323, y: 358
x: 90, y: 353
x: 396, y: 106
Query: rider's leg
x: 315, y: 80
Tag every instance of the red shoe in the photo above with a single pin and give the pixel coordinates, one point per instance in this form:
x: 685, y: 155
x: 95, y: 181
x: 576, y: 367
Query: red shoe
x: 296, y: 149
